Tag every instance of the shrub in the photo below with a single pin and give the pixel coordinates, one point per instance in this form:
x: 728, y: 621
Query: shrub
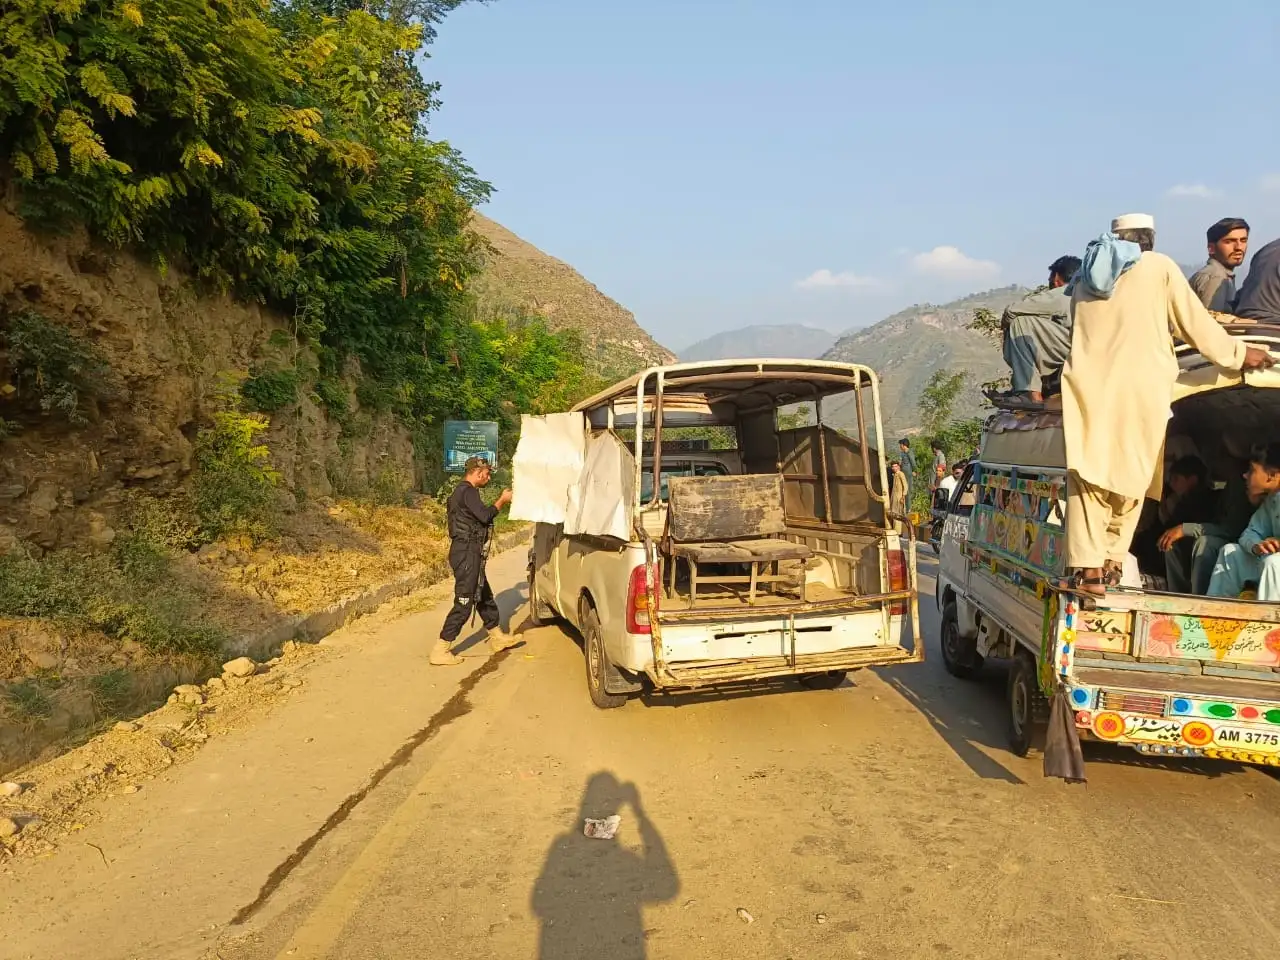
x: 234, y: 485
x: 56, y: 371
x: 270, y: 390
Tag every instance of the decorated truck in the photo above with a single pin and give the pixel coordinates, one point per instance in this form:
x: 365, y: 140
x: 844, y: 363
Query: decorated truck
x: 1168, y: 674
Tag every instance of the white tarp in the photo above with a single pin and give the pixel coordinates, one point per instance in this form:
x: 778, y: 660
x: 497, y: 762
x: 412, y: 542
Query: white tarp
x: 548, y: 462
x: 600, y: 502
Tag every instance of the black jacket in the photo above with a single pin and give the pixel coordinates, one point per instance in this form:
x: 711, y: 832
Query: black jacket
x: 469, y: 516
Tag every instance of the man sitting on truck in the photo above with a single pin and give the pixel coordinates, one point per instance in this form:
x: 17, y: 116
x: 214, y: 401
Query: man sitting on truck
x: 1192, y: 543
x: 1253, y: 562
x: 1037, y: 333
x: 1127, y: 305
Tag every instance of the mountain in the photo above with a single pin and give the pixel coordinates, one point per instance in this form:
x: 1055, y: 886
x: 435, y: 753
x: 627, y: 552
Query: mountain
x: 906, y: 348
x: 518, y: 277
x: 785, y: 340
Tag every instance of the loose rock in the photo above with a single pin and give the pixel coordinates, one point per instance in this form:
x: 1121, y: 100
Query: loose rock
x: 240, y: 667
x: 131, y: 788
x: 744, y: 916
x: 10, y: 789
x: 9, y: 828
x: 42, y: 660
x: 127, y: 726
x: 216, y: 685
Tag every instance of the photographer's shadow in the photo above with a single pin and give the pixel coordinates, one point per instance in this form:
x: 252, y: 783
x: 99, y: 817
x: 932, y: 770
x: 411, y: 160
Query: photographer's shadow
x: 591, y: 895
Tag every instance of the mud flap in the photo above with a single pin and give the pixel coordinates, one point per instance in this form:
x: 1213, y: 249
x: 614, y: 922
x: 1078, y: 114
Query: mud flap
x: 1062, y: 754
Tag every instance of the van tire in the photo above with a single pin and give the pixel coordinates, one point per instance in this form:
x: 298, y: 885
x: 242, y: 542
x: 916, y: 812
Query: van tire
x: 828, y: 680
x: 540, y: 614
x: 1028, y: 707
x: 959, y: 654
x: 597, y: 661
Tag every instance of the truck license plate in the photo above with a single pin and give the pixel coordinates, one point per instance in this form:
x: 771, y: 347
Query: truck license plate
x: 1242, y: 737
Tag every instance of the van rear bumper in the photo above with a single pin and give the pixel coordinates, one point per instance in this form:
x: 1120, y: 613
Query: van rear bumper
x: 703, y: 673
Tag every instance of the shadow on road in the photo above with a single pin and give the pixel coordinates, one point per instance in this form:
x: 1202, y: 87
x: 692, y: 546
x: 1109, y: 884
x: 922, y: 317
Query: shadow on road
x: 591, y: 894
x: 509, y: 602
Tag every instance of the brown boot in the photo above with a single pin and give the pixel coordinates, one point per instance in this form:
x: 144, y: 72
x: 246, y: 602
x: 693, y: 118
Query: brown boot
x: 442, y: 656
x: 500, y: 640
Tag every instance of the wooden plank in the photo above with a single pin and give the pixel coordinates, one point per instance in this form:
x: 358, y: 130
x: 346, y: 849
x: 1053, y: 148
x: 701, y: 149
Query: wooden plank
x: 725, y: 508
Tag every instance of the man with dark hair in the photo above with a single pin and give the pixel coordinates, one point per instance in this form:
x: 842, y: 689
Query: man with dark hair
x: 1254, y: 560
x: 1117, y: 389
x: 1191, y: 545
x: 1037, y: 333
x: 1259, y: 297
x: 907, y: 461
x: 1215, y: 282
x: 470, y: 519
x: 939, y: 464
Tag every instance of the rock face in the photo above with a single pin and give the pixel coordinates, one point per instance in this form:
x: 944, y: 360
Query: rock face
x: 171, y: 353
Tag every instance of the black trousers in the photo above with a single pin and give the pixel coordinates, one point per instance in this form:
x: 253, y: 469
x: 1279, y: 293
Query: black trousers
x: 466, y: 559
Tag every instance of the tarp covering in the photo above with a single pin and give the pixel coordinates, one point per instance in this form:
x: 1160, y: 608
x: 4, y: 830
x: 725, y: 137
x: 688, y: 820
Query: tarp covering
x: 548, y: 462
x: 600, y: 502
x: 562, y: 476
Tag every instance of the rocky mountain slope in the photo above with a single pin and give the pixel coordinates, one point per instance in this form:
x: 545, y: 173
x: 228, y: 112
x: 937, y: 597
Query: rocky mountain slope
x: 782, y: 340
x: 521, y: 278
x: 906, y: 348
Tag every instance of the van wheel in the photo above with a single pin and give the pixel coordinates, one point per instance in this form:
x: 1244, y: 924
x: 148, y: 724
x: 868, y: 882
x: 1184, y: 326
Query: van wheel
x: 823, y: 681
x: 1028, y: 707
x: 540, y: 613
x: 959, y: 654
x: 597, y: 662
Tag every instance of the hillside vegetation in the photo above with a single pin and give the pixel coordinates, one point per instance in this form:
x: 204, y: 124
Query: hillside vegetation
x: 907, y: 348
x: 519, y: 280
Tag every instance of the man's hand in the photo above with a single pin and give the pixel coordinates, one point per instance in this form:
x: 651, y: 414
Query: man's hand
x: 1170, y: 537
x: 503, y: 499
x: 1267, y: 546
x: 1255, y: 358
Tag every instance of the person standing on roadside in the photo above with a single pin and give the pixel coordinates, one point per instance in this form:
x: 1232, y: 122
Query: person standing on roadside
x: 470, y: 520
x: 907, y: 461
x: 1215, y: 282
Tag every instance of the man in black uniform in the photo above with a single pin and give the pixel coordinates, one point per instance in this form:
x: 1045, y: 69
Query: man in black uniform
x: 469, y: 522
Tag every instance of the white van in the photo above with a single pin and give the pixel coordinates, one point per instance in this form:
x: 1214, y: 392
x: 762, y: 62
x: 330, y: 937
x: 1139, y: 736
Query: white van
x: 683, y: 568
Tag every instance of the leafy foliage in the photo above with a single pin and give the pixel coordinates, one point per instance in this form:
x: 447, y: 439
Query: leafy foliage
x: 270, y: 390
x: 278, y: 150
x: 56, y: 371
x: 128, y: 594
x: 957, y: 437
x: 938, y: 399
x: 234, y: 485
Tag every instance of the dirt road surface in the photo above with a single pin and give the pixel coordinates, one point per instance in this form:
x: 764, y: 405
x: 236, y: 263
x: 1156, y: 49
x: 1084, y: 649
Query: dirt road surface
x: 884, y: 819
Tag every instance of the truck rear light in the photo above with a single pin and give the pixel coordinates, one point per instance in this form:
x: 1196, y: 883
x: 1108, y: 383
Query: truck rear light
x: 897, y: 581
x: 638, y: 601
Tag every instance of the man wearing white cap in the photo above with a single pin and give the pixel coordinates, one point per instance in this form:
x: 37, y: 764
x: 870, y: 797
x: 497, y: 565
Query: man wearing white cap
x: 1117, y: 388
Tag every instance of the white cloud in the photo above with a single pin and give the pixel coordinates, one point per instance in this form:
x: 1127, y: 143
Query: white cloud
x: 826, y: 278
x: 1196, y: 191
x: 1271, y: 183
x: 950, y: 262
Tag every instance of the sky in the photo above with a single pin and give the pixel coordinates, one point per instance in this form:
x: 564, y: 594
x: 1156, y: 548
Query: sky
x: 713, y: 164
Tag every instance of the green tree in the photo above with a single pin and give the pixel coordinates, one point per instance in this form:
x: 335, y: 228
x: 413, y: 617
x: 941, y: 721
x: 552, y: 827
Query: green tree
x: 938, y: 399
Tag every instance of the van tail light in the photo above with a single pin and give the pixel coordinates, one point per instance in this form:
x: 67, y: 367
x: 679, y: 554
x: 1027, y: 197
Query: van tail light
x: 897, y: 581
x: 638, y: 601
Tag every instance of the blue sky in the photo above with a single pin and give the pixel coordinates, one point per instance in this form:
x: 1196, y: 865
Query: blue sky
x: 703, y: 162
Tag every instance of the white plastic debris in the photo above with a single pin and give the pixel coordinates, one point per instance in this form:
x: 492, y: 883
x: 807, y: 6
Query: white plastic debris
x: 602, y: 829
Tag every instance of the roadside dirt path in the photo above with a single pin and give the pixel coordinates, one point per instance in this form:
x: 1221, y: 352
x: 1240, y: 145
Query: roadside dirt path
x: 882, y: 820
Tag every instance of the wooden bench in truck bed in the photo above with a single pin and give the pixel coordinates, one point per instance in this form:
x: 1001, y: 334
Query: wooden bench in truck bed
x: 736, y: 520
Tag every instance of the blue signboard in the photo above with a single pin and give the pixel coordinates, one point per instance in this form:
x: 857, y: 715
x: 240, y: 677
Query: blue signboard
x: 464, y: 439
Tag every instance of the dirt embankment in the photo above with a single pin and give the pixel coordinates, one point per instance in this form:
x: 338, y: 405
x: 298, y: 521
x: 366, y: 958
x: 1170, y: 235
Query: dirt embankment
x: 101, y: 614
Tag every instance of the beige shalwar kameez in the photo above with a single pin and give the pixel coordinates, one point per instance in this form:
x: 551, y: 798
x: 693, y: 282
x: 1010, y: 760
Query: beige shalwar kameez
x: 1117, y: 390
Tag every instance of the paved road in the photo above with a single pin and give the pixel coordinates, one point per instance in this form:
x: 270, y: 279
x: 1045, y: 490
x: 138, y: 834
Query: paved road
x: 885, y: 819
